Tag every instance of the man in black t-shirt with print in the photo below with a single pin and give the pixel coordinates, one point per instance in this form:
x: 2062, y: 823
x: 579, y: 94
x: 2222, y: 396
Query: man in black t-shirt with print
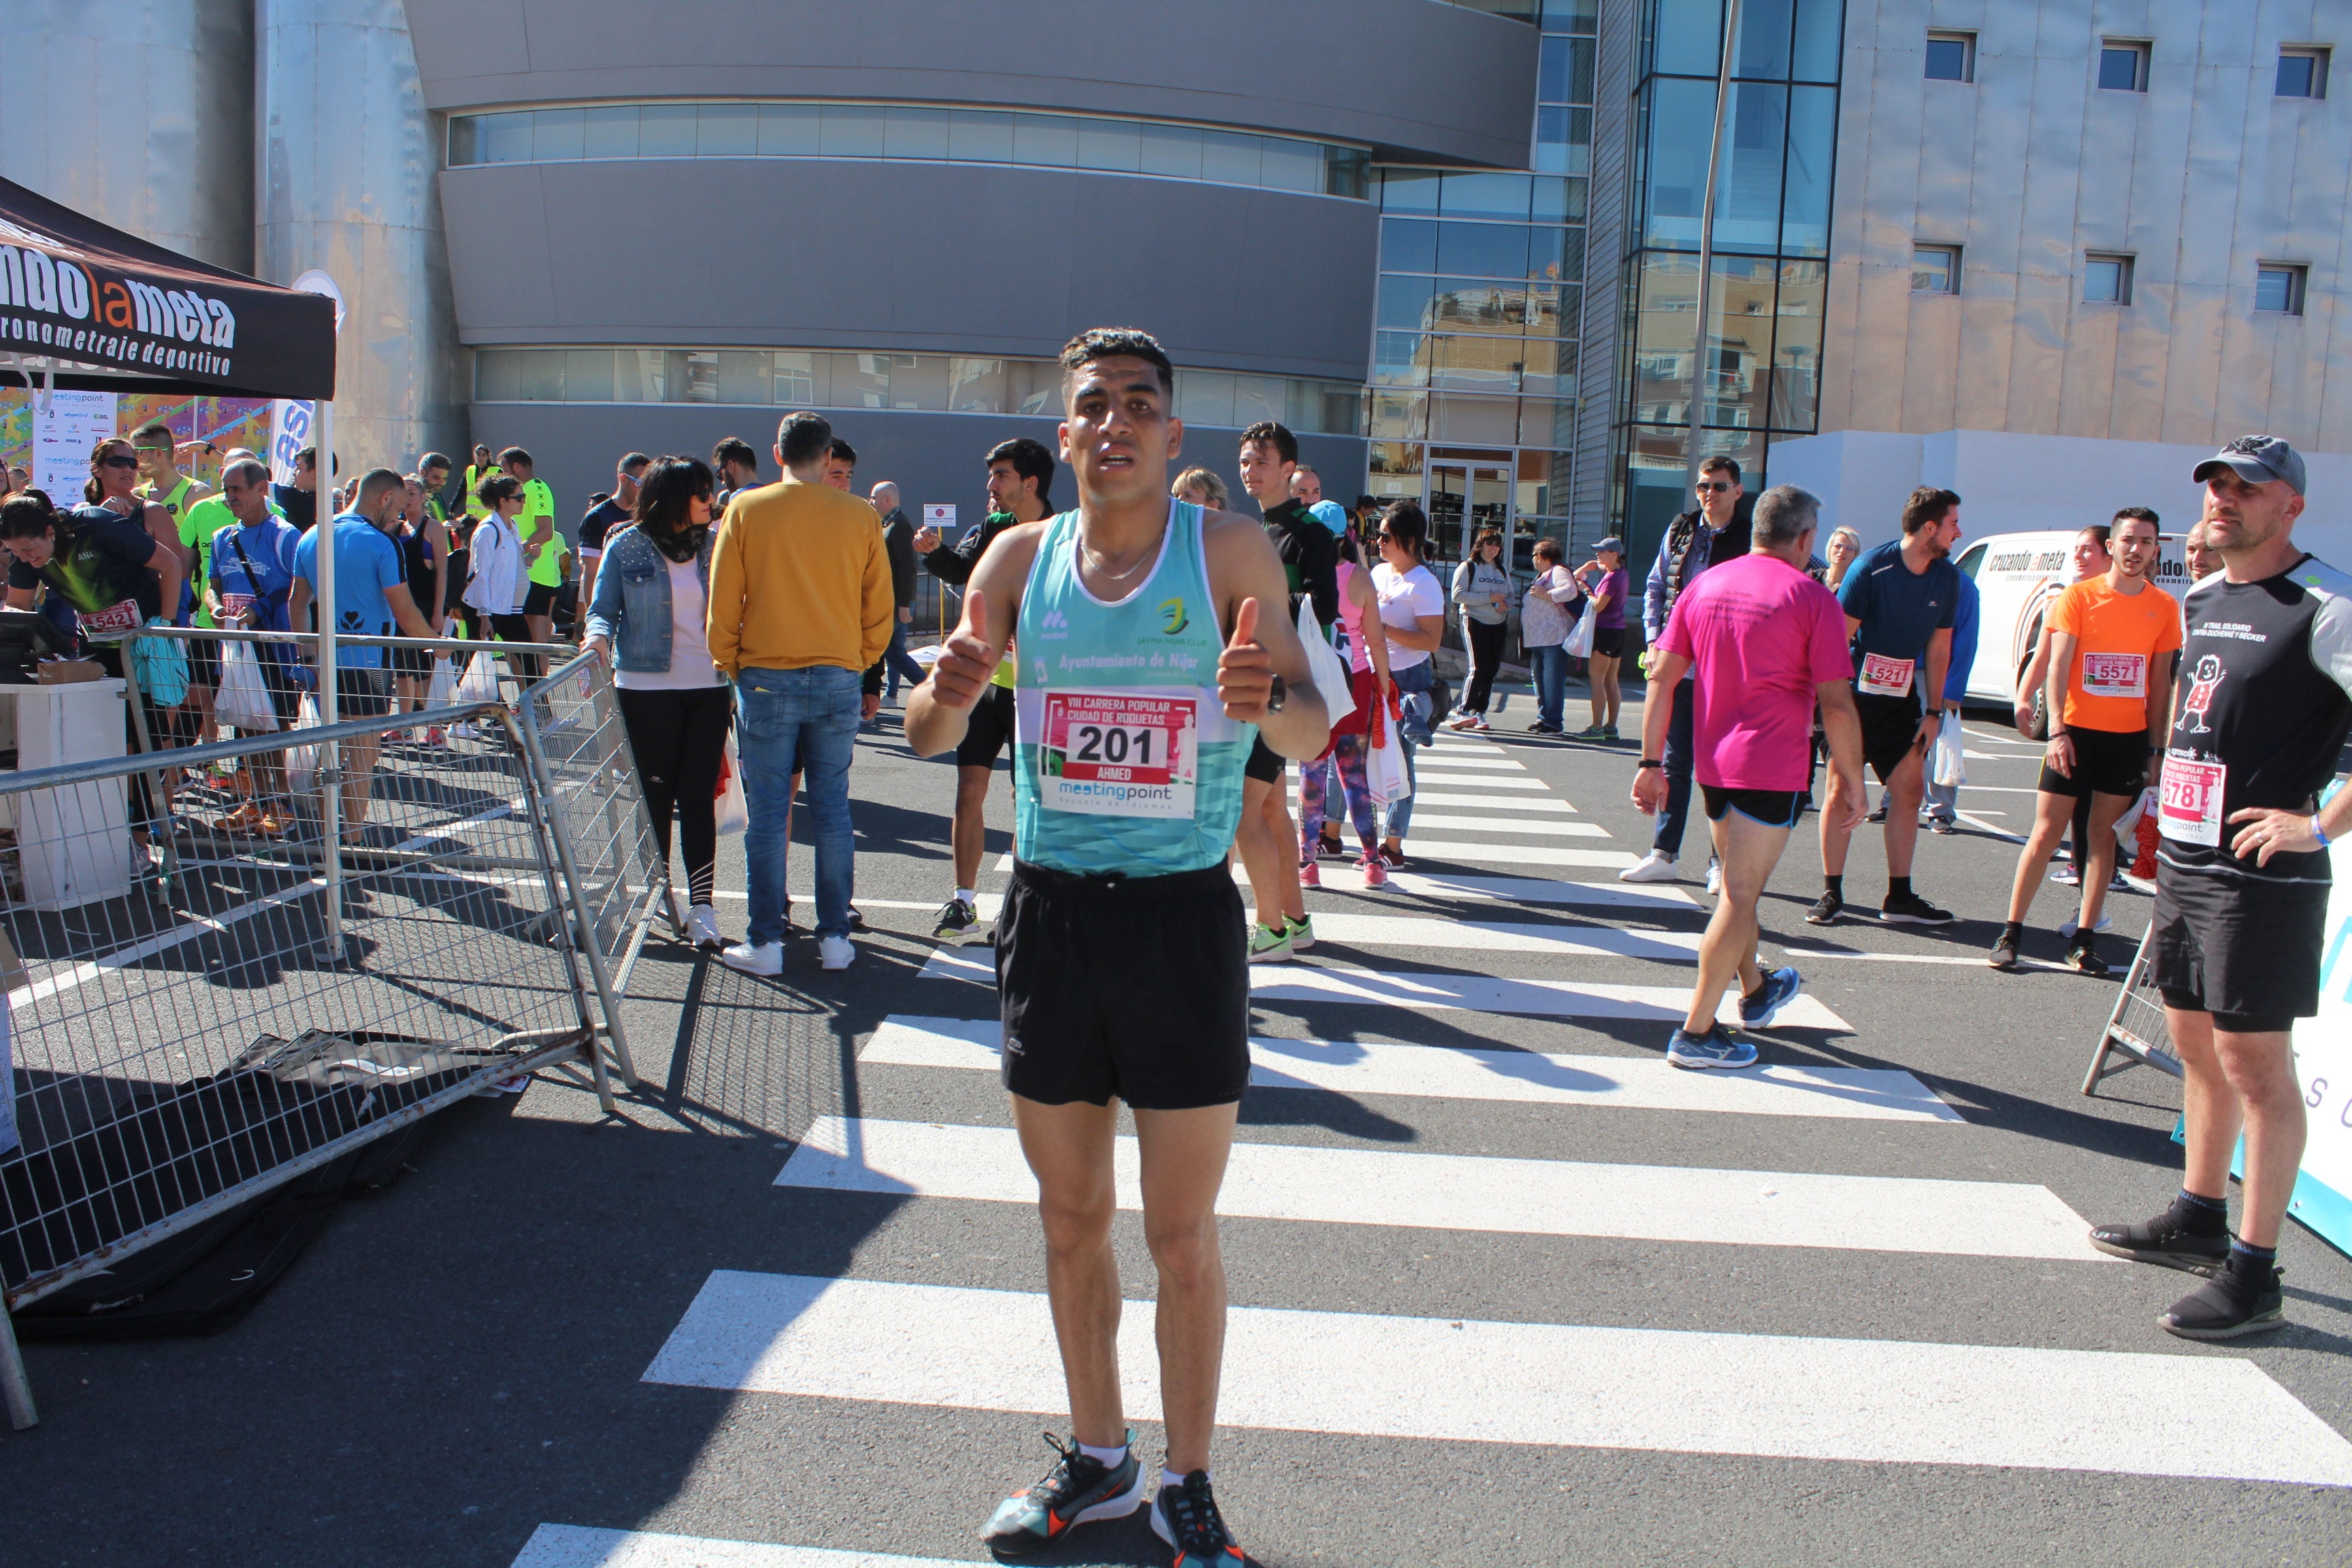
x: 608, y: 516
x: 2242, y: 879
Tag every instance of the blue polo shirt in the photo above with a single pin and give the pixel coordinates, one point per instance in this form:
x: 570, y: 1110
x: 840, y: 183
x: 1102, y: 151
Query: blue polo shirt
x: 366, y: 562
x: 1899, y: 610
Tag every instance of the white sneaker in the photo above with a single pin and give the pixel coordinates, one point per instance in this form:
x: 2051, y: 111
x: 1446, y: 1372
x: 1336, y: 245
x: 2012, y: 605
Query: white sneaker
x: 834, y: 952
x: 1714, y: 878
x: 1655, y: 866
x: 2070, y: 925
x: 702, y: 927
x: 768, y: 958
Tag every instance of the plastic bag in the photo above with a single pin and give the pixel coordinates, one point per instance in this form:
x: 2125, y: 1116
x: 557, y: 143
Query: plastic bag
x: 302, y: 762
x: 1386, y: 778
x: 1323, y: 662
x: 443, y: 693
x: 2127, y: 825
x: 481, y: 681
x: 1578, y: 644
x: 1946, y: 767
x: 734, y: 808
x: 243, y: 701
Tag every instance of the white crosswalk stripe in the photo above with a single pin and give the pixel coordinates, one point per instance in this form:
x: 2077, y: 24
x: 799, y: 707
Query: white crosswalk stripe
x: 1477, y: 780
x: 1539, y: 891
x: 1428, y: 933
x: 1459, y: 1192
x: 1422, y: 798
x: 1554, y: 1384
x: 1522, y: 854
x: 572, y: 1546
x: 1508, y: 824
x: 1449, y: 1072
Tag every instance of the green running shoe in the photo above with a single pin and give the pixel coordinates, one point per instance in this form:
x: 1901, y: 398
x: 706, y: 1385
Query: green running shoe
x: 1301, y: 933
x: 1079, y: 1489
x: 1267, y: 945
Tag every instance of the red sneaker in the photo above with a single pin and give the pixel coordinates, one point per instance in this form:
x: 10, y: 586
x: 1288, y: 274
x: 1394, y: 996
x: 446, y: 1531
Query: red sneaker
x: 1310, y: 875
x: 1375, y: 874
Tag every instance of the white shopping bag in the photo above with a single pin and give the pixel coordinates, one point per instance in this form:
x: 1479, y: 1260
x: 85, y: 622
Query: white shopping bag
x: 1946, y: 768
x: 2127, y: 825
x: 734, y: 807
x: 481, y: 681
x: 243, y: 701
x: 302, y: 762
x: 1579, y: 635
x: 1323, y: 660
x: 1386, y: 779
x: 443, y: 693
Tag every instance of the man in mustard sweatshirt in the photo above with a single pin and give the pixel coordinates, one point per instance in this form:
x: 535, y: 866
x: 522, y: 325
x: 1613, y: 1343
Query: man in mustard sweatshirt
x: 801, y: 609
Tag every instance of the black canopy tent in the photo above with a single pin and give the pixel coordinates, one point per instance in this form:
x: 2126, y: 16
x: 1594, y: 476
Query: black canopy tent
x: 88, y: 308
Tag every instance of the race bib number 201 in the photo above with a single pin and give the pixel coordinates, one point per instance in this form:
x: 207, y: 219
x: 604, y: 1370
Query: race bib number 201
x: 2189, y: 802
x: 1118, y: 754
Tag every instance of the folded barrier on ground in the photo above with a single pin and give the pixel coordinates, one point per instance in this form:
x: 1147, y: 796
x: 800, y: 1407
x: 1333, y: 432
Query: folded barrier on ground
x: 2136, y: 1034
x: 263, y: 976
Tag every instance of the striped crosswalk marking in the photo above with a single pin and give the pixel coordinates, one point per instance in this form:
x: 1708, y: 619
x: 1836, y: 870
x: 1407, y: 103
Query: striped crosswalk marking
x: 1522, y: 854
x: 1466, y: 1380
x: 1422, y: 798
x: 1539, y: 891
x: 1449, y: 993
x: 1478, y: 780
x: 1449, y: 1072
x: 574, y: 1546
x: 1432, y: 934
x: 1509, y: 825
x: 1484, y: 1192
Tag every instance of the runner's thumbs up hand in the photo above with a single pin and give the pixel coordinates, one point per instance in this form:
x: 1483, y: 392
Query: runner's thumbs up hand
x: 1244, y: 673
x: 967, y: 660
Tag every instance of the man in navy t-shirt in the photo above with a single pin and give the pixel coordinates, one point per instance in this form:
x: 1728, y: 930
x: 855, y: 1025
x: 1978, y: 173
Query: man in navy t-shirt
x: 1900, y: 603
x: 371, y: 600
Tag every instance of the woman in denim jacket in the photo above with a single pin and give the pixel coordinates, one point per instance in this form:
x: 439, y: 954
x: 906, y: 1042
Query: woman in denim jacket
x: 647, y: 621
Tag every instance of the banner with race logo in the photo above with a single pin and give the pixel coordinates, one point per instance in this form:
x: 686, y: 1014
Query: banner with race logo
x: 290, y: 431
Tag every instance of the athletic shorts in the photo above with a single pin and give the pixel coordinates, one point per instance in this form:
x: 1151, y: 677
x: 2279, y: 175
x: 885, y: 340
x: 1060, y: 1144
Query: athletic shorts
x: 1769, y: 807
x: 1133, y: 988
x: 989, y: 730
x: 1890, y: 730
x: 1609, y: 642
x: 1266, y: 765
x: 540, y: 601
x: 203, y: 662
x: 363, y: 693
x: 416, y: 663
x: 2108, y: 762
x: 2243, y: 949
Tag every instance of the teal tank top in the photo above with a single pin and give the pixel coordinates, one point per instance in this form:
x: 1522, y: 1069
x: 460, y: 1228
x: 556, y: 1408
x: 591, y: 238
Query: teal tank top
x: 1123, y: 758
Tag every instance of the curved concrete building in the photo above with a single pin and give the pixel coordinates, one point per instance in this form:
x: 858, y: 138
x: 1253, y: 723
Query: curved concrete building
x: 667, y: 224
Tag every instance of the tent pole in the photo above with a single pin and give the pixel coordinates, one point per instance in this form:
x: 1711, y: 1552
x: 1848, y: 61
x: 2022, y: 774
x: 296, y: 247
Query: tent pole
x: 331, y: 761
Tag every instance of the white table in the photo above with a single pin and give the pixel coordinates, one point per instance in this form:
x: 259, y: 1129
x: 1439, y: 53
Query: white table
x: 73, y: 844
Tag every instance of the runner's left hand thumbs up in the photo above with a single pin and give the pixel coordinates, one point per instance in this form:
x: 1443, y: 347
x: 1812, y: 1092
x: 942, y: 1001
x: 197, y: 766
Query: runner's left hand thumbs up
x: 1244, y: 673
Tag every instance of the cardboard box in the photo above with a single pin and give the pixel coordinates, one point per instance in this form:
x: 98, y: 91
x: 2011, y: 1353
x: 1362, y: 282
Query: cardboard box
x: 68, y: 671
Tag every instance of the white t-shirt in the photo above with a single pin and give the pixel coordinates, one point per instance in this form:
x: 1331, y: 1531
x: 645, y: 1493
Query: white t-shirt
x: 689, y: 643
x: 1405, y: 597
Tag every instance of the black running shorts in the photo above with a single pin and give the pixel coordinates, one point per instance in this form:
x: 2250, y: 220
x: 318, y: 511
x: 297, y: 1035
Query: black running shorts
x: 1769, y: 807
x: 1609, y: 642
x: 1890, y: 730
x: 2245, y: 949
x: 1266, y: 765
x: 1131, y: 987
x: 989, y: 732
x: 539, y: 600
x: 2107, y: 762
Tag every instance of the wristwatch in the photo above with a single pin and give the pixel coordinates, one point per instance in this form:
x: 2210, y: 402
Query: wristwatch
x: 1648, y: 762
x: 1275, y: 695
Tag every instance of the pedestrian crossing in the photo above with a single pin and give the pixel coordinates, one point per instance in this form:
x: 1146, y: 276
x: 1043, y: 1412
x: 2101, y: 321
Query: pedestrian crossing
x: 1543, y: 1381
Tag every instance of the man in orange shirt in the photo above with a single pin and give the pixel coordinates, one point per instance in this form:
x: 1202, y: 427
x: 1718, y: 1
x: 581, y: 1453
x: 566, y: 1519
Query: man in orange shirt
x: 801, y: 609
x: 2115, y: 648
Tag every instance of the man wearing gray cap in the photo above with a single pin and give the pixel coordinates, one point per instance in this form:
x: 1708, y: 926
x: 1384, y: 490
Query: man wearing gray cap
x: 2242, y: 879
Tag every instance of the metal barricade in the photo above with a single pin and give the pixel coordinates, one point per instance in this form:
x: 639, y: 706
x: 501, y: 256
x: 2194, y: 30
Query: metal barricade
x: 612, y: 864
x: 238, y: 1000
x: 2135, y: 1029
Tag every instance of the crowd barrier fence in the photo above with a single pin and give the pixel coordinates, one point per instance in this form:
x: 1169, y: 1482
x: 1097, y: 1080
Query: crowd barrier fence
x: 2135, y: 1033
x: 206, y: 1010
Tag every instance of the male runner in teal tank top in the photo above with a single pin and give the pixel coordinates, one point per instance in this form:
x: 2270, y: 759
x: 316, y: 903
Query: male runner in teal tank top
x: 1120, y: 963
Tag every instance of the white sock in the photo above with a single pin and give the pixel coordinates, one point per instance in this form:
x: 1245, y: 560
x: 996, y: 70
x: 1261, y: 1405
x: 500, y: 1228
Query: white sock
x: 963, y: 895
x: 1111, y: 1457
x: 1169, y: 1478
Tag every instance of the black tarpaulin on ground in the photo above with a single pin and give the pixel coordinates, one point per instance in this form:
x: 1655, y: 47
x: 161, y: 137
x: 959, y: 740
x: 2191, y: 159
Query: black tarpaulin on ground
x: 113, y: 313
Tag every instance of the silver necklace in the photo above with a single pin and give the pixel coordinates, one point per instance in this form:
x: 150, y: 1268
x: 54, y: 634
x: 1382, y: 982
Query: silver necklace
x: 1087, y: 555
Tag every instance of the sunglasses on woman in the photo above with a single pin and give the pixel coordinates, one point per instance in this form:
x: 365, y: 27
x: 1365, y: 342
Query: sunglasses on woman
x: 117, y: 460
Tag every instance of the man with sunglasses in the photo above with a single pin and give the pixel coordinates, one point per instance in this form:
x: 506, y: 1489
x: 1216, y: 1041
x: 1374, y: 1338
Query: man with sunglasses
x: 1717, y: 530
x: 162, y: 483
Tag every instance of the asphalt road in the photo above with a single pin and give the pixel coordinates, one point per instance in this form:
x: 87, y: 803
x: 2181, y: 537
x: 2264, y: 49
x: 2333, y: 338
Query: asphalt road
x: 1494, y: 1309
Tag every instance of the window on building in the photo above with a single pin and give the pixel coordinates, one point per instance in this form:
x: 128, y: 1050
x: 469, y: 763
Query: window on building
x: 2278, y: 289
x: 2302, y: 73
x: 2106, y: 279
x: 2122, y: 65
x: 1951, y: 56
x: 1935, y: 269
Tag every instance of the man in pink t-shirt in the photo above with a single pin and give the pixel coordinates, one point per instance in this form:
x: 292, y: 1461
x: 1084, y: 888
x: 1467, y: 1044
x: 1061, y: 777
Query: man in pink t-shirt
x: 1768, y: 643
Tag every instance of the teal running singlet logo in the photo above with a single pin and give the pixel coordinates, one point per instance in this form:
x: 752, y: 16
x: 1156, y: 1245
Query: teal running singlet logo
x: 1172, y: 612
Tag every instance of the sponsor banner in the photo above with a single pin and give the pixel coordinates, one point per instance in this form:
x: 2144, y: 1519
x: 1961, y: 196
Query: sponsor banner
x: 290, y: 432
x: 2323, y: 1060
x: 63, y: 433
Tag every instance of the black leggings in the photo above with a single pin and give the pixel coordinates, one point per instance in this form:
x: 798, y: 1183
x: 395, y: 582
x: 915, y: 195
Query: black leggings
x: 514, y: 628
x: 677, y: 738
x: 1485, y: 653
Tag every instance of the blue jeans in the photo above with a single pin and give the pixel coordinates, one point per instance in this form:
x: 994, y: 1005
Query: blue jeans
x: 1412, y: 683
x: 788, y: 720
x: 1551, y: 683
x: 899, y: 661
x: 1679, y: 758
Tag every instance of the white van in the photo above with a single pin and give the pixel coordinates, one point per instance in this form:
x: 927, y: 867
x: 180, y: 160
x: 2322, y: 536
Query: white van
x: 2017, y: 576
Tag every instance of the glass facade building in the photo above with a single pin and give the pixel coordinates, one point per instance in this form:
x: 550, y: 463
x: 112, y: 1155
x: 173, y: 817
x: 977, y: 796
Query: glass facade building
x: 1755, y: 370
